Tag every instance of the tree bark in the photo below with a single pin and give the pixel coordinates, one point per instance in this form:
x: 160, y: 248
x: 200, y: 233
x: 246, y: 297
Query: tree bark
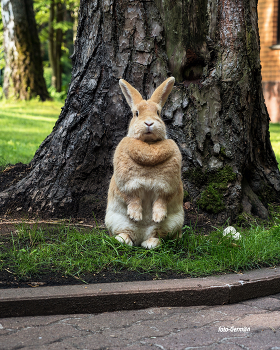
x: 216, y: 112
x: 23, y: 75
x: 222, y: 125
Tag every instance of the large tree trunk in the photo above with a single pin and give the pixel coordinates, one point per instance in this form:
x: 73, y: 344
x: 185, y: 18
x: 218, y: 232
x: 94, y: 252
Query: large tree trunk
x: 23, y: 75
x: 216, y: 112
x: 229, y: 164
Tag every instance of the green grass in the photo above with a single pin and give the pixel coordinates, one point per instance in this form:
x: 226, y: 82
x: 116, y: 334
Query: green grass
x: 275, y: 140
x: 23, y: 127
x: 71, y: 251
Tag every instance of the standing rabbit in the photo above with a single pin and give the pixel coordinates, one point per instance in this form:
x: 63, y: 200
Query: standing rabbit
x: 145, y: 199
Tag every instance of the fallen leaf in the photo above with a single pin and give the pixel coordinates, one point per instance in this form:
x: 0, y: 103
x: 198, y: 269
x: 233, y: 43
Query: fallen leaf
x: 36, y: 284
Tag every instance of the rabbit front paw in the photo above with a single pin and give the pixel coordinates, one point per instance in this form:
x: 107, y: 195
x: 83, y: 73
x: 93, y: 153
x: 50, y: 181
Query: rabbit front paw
x: 134, y: 211
x: 159, y: 214
x: 159, y: 210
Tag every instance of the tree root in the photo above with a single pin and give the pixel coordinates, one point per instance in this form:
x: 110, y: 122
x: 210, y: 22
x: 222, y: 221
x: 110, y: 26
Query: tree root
x: 251, y: 203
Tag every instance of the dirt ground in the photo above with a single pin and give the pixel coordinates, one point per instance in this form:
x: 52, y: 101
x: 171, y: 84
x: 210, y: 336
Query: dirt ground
x: 8, y: 280
x: 12, y: 174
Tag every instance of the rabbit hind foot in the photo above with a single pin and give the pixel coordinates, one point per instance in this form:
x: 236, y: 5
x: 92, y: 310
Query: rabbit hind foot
x: 151, y: 243
x: 124, y: 238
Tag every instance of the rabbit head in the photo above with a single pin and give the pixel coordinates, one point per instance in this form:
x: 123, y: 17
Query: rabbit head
x: 146, y: 124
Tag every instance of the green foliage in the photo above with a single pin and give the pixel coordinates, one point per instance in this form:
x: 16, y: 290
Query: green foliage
x: 56, y: 96
x: 2, y: 61
x: 67, y: 71
x: 64, y: 26
x: 1, y: 31
x: 41, y: 8
x: 42, y: 11
x: 47, y: 75
x: 23, y: 127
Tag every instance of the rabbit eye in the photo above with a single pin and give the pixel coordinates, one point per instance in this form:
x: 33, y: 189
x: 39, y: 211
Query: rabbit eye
x: 136, y: 113
x: 158, y: 113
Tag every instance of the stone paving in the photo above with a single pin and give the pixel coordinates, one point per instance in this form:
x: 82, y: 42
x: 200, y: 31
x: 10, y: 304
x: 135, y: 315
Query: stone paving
x: 252, y: 324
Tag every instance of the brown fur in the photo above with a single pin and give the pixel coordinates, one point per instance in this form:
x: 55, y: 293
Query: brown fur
x: 144, y: 153
x: 161, y: 160
x: 147, y: 174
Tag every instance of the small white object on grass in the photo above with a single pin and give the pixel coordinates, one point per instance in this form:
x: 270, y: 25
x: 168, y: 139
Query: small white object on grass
x: 230, y: 230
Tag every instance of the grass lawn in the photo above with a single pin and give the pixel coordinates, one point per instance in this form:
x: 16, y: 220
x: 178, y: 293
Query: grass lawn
x: 275, y: 140
x: 23, y: 127
x: 73, y: 252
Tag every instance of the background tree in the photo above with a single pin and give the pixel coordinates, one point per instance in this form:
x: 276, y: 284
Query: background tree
x: 57, y: 23
x: 23, y: 76
x: 216, y: 112
x: 55, y: 42
x: 57, y: 26
x: 2, y: 61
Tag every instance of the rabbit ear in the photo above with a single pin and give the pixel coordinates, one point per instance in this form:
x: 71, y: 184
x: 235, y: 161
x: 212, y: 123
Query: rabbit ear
x: 132, y: 95
x: 161, y: 94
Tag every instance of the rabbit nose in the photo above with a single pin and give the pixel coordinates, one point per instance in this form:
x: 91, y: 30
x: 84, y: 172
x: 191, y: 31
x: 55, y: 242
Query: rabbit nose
x: 149, y: 123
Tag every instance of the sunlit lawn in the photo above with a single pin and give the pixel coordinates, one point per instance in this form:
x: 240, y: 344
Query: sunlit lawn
x: 23, y: 127
x: 275, y: 140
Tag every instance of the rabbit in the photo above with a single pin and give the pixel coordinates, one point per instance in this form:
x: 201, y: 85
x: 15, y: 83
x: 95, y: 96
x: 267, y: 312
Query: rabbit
x: 145, y: 198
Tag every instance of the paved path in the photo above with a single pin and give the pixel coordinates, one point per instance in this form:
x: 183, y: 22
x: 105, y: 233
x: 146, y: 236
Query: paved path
x: 252, y: 324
